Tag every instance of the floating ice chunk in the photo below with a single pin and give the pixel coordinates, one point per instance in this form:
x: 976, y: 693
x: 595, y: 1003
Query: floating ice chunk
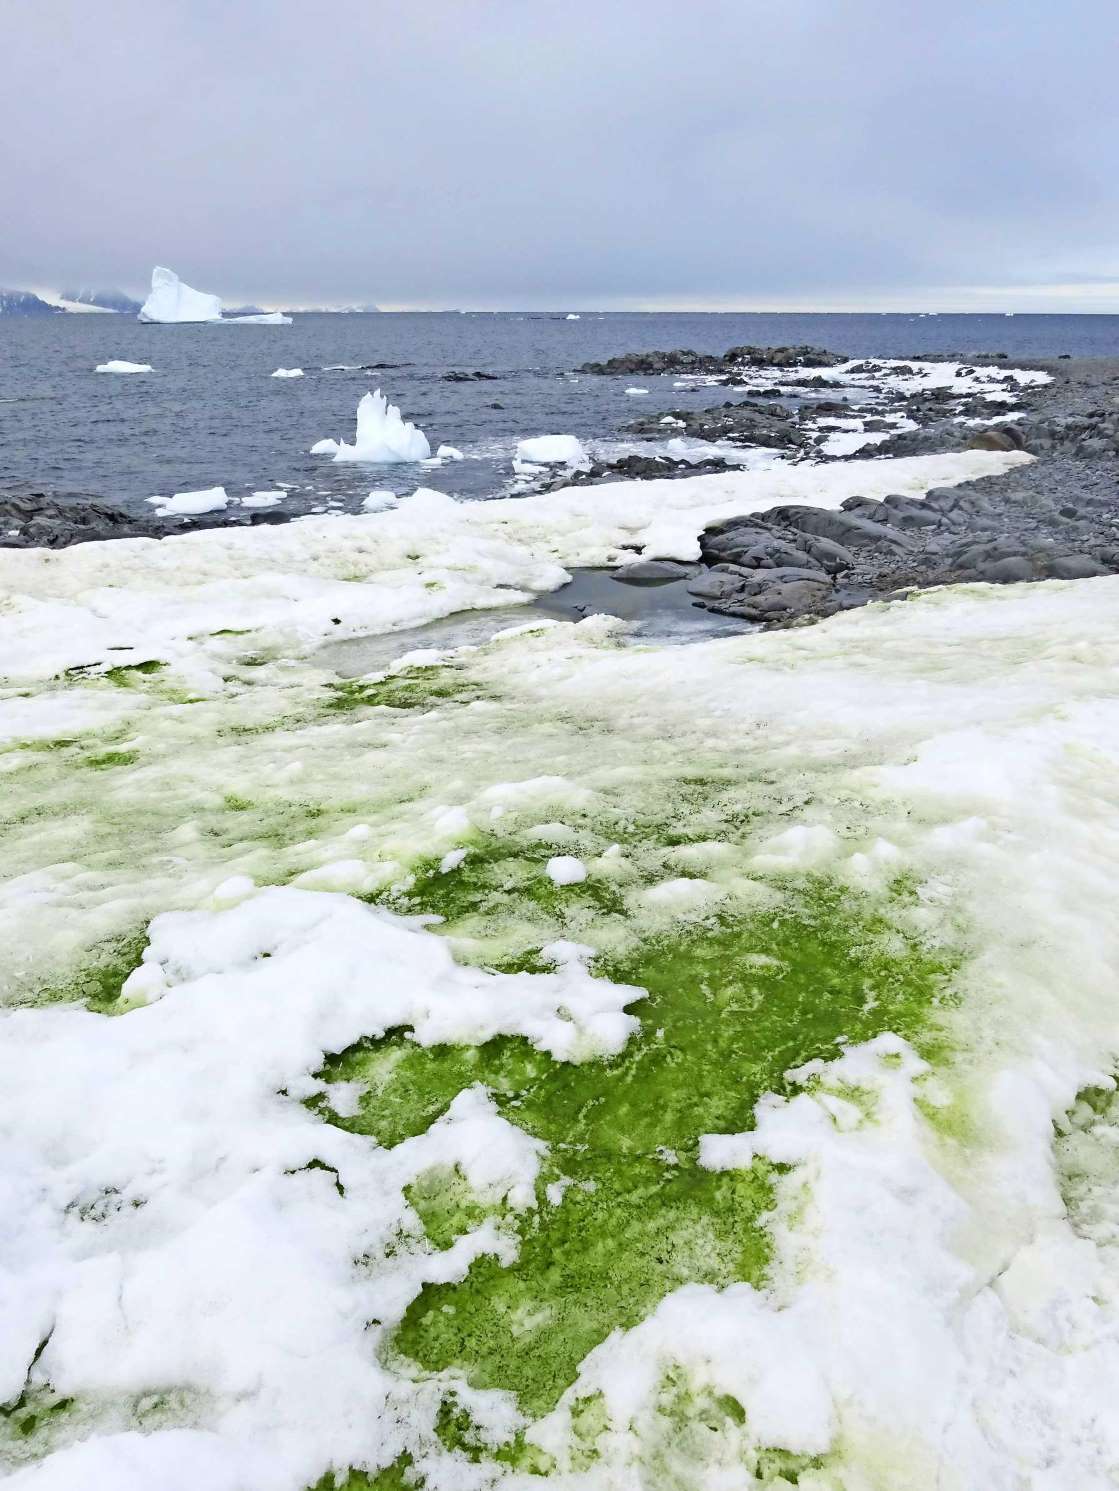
x: 170, y: 300
x: 288, y: 373
x: 379, y: 501
x: 572, y: 316
x: 526, y: 468
x: 382, y: 435
x: 637, y: 393
x: 565, y: 869
x: 552, y: 450
x: 266, y: 318
x: 263, y: 499
x: 449, y: 453
x: 212, y: 500
x: 123, y: 367
x: 324, y: 447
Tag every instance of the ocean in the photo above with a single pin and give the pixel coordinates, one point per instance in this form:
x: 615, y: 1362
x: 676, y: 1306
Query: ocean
x: 211, y: 415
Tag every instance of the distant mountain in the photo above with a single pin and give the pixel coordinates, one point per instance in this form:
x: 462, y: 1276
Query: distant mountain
x: 23, y: 303
x: 105, y: 300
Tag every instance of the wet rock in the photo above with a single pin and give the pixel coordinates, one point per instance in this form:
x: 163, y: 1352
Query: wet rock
x: 1076, y: 567
x: 1006, y: 571
x: 686, y: 360
x: 843, y: 528
x: 653, y: 572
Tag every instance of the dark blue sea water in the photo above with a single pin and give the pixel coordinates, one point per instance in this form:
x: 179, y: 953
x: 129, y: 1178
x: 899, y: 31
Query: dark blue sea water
x: 211, y: 415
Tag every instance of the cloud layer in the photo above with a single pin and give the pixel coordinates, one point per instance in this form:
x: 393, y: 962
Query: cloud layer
x: 504, y: 153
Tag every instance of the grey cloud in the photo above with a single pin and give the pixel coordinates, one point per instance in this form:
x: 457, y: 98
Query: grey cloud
x: 485, y: 152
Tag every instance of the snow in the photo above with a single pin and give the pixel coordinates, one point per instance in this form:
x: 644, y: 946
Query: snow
x: 212, y: 500
x: 178, y: 1222
x: 171, y: 300
x: 552, y: 450
x: 123, y: 367
x: 427, y: 557
x: 565, y: 869
x: 288, y: 373
x: 379, y: 500
x: 382, y: 437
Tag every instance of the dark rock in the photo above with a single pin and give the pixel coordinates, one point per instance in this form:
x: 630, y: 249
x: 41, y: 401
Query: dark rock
x: 1006, y: 571
x: 653, y: 572
x: 1076, y: 567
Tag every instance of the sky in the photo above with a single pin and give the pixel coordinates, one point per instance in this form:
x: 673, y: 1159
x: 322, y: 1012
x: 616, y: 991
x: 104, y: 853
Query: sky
x: 567, y: 154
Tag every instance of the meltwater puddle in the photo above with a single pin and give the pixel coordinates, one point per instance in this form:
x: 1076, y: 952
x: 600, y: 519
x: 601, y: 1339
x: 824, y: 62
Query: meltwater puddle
x: 656, y: 613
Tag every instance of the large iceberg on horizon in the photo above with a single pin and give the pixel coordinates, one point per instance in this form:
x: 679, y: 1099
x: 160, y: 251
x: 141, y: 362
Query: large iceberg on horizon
x: 172, y: 301
x: 382, y: 435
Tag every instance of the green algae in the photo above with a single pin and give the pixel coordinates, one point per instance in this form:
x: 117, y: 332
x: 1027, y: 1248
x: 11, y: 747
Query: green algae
x: 97, y: 982
x: 124, y: 675
x: 411, y: 688
x: 446, y: 1205
x: 395, y: 1477
x: 732, y: 1005
x: 106, y: 760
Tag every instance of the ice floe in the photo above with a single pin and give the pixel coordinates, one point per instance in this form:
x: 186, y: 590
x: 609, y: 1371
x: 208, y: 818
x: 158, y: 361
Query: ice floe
x: 117, y: 366
x: 210, y: 500
x: 552, y: 450
x: 288, y: 373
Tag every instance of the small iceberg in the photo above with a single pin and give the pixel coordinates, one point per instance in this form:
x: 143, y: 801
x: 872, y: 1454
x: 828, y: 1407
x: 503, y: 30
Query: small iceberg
x: 212, y: 500
x: 123, y: 367
x: 383, y: 436
x: 552, y: 450
x: 572, y: 316
x: 172, y: 301
x: 261, y: 499
x: 288, y: 373
x: 266, y: 318
x: 637, y: 393
x: 449, y: 453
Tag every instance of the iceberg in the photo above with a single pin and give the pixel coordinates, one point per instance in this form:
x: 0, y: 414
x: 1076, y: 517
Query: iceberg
x: 382, y: 435
x: 552, y: 450
x: 266, y: 318
x: 117, y: 366
x: 172, y: 301
x: 288, y: 373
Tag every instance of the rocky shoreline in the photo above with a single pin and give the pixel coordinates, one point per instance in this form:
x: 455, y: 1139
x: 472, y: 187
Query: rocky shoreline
x: 1055, y: 518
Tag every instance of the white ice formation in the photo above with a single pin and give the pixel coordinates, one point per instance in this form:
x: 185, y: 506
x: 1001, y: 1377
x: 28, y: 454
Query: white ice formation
x: 116, y: 366
x: 383, y: 437
x: 210, y: 500
x: 171, y: 300
x: 552, y: 450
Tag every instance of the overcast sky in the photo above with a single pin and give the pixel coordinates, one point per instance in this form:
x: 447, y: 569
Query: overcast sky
x: 816, y: 154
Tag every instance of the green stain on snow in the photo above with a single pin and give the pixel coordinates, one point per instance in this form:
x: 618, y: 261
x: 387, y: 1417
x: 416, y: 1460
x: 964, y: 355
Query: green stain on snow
x: 732, y: 1005
x: 412, y: 688
x: 106, y: 760
x: 394, y: 1477
x: 125, y: 674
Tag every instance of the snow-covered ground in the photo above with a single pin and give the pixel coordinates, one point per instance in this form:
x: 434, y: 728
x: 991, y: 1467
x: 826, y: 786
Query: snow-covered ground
x: 255, y: 1236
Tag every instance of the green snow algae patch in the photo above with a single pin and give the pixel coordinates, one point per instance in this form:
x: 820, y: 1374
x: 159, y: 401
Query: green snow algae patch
x: 624, y: 1212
